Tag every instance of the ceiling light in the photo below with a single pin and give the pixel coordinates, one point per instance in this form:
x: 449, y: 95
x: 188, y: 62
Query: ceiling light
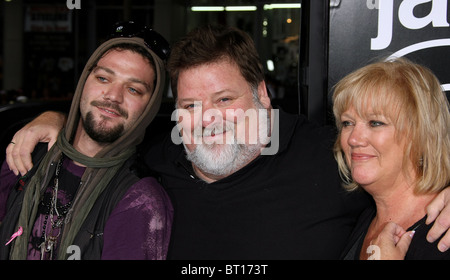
x: 207, y: 8
x: 282, y: 6
x: 240, y: 8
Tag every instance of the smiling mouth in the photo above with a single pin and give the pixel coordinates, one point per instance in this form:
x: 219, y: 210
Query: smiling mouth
x: 361, y: 157
x: 214, y: 135
x: 110, y: 109
x: 110, y: 112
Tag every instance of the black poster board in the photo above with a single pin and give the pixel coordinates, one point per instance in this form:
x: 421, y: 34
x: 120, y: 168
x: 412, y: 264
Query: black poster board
x: 362, y: 31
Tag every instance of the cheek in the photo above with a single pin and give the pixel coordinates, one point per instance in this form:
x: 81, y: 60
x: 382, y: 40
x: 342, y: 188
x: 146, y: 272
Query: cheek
x: 185, y: 125
x: 136, y: 108
x: 190, y: 147
x: 346, y: 149
x: 343, y: 138
x: 84, y: 104
x: 135, y: 105
x: 188, y: 121
x: 387, y: 146
x: 91, y: 87
x: 394, y: 155
x: 247, y: 126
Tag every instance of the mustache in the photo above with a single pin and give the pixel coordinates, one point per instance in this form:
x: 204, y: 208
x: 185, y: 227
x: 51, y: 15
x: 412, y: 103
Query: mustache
x: 214, y: 129
x: 110, y: 105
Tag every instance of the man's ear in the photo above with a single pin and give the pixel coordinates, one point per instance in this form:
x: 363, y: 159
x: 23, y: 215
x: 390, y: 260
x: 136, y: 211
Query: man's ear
x: 264, y: 95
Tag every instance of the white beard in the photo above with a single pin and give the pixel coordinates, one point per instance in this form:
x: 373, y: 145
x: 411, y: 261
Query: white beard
x: 224, y: 159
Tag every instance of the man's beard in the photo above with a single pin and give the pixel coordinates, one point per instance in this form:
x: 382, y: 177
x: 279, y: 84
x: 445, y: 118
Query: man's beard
x: 98, y: 132
x: 225, y: 159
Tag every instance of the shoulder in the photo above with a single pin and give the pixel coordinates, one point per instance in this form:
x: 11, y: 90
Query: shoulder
x: 306, y: 140
x: 146, y: 194
x: 298, y: 129
x: 160, y: 153
x: 420, y: 248
x: 313, y: 132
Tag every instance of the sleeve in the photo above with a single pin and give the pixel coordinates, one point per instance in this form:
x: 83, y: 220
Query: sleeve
x: 7, y: 180
x: 139, y: 226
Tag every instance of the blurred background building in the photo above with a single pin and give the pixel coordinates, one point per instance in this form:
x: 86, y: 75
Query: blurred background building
x: 45, y: 43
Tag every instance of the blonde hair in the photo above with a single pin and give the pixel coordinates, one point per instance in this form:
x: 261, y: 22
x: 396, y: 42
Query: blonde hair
x: 411, y: 96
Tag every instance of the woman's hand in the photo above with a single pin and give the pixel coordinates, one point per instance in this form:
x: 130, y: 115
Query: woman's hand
x: 391, y: 244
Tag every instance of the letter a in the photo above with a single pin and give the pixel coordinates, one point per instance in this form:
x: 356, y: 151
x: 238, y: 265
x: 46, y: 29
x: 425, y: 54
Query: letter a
x: 385, y: 20
x: 437, y: 15
x: 71, y: 5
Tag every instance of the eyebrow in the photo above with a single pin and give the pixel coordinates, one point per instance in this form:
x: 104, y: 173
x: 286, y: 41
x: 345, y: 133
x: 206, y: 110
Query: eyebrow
x: 217, y: 93
x: 133, y: 80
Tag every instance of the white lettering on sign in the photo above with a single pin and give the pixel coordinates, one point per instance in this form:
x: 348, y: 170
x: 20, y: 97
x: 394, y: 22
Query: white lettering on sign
x: 437, y: 17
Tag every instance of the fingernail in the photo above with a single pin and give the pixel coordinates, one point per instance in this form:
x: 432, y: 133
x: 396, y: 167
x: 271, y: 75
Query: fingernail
x: 411, y: 234
x: 442, y: 247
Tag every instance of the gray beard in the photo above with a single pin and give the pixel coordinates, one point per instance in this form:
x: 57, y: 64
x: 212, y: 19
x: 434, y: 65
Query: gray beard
x: 225, y: 159
x: 222, y: 159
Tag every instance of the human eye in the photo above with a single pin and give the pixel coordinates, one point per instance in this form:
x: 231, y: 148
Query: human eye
x: 224, y: 101
x: 134, y: 91
x: 102, y: 79
x: 189, y: 106
x: 346, y: 123
x: 375, y: 123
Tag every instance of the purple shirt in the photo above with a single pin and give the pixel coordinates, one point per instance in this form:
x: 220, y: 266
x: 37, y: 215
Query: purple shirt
x: 138, y: 228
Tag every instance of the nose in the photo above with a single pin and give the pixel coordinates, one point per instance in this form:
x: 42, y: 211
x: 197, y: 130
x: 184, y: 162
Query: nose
x: 210, y: 115
x: 114, y: 93
x: 357, y: 136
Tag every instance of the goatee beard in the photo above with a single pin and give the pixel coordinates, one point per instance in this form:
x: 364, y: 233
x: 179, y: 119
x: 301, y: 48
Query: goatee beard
x: 98, y: 132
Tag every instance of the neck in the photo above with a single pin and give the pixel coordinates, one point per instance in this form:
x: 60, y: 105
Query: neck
x: 208, y: 178
x: 401, y: 206
x: 84, y: 144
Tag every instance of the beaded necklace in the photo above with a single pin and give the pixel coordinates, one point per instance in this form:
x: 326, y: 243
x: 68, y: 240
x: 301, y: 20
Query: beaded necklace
x: 54, y: 217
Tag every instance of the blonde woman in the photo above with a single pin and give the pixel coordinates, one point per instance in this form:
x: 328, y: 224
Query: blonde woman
x: 394, y: 142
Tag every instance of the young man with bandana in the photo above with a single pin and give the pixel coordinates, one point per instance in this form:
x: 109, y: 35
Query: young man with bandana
x: 84, y: 191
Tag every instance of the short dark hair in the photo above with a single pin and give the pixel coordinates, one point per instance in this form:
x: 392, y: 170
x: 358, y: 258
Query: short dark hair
x: 209, y: 44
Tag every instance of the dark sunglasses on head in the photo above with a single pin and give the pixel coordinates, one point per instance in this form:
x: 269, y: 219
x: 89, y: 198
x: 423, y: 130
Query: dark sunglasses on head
x: 152, y: 39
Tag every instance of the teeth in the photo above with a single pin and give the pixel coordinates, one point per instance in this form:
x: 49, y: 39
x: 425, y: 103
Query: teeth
x: 110, y: 112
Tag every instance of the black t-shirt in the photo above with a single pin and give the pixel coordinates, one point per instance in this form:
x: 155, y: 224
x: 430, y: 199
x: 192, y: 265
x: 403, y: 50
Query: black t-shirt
x: 285, y: 206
